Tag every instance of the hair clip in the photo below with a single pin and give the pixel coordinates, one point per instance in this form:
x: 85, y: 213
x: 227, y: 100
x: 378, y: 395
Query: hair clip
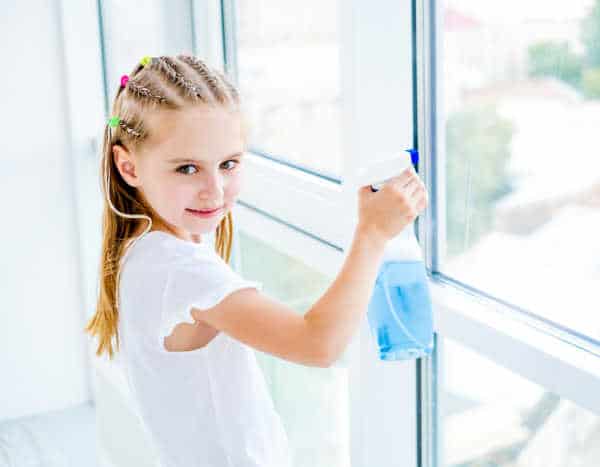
x: 146, y: 60
x: 114, y: 121
x: 124, y: 80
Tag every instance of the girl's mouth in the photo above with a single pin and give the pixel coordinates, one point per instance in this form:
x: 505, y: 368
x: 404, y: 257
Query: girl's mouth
x: 198, y: 213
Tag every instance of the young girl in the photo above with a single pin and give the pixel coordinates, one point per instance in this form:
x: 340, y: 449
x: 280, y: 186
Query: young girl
x: 184, y: 322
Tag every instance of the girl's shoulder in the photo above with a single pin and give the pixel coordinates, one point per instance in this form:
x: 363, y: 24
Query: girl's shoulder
x: 156, y: 248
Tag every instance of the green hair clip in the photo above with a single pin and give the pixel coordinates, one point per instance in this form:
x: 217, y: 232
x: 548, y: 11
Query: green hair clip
x: 146, y: 60
x: 114, y: 121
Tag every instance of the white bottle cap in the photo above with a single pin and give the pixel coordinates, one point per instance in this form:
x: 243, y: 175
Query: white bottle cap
x: 379, y: 170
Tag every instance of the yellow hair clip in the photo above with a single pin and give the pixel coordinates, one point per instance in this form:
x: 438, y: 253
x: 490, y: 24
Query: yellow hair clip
x: 146, y: 60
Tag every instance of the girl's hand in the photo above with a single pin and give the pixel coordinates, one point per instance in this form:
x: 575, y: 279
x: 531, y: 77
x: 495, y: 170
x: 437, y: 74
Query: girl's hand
x: 186, y: 336
x: 386, y: 212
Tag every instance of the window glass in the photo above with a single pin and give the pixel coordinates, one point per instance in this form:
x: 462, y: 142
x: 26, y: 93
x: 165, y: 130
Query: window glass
x: 288, y: 62
x: 313, y: 402
x: 131, y: 32
x: 521, y: 98
x: 491, y: 416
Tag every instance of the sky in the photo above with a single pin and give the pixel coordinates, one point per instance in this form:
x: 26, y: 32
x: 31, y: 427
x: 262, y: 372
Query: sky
x: 518, y: 10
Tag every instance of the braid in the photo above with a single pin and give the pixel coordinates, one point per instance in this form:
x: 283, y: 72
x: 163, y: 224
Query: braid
x: 207, y: 75
x: 143, y: 92
x: 213, y: 84
x: 196, y: 64
x: 233, y: 93
x: 168, y: 67
x: 127, y: 128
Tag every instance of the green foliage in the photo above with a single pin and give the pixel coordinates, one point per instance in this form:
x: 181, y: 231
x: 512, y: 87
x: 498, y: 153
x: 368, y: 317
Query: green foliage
x: 555, y: 59
x: 477, y: 154
x: 591, y: 83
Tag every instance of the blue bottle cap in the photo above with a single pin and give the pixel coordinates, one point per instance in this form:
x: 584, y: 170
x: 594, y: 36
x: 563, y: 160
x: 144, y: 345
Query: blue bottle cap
x: 414, y: 156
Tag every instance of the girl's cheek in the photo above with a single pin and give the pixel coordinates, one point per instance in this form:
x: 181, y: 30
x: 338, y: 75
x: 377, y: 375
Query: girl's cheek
x: 235, y: 184
x: 179, y: 194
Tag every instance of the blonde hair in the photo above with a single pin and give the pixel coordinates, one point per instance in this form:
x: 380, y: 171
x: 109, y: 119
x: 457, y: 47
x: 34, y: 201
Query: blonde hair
x: 155, y: 83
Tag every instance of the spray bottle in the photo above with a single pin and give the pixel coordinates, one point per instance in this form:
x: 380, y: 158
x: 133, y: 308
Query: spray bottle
x: 399, y: 311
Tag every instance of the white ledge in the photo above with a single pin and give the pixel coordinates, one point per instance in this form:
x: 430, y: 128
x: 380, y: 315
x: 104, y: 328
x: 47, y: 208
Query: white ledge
x: 491, y: 330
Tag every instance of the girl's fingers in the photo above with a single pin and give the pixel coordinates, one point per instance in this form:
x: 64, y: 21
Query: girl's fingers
x: 411, y: 186
x: 418, y: 196
x: 420, y: 199
x: 403, y: 178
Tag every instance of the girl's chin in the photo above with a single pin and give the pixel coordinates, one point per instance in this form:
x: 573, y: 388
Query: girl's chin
x: 204, y: 226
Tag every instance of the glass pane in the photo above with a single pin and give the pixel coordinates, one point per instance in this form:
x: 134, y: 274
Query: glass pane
x: 160, y: 27
x: 288, y: 59
x: 522, y: 107
x: 313, y: 402
x: 492, y: 417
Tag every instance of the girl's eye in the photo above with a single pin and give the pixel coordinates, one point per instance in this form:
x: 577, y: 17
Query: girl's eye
x: 183, y: 168
x: 179, y: 169
x: 233, y: 166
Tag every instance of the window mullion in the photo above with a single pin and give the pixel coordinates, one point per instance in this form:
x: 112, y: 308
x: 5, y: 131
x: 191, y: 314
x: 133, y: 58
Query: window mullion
x: 377, y: 121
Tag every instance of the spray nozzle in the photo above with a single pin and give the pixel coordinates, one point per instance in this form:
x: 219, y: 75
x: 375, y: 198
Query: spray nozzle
x: 379, y: 170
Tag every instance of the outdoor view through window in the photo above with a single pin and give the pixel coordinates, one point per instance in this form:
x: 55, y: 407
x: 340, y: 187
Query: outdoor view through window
x: 521, y: 114
x: 521, y: 97
x: 288, y: 60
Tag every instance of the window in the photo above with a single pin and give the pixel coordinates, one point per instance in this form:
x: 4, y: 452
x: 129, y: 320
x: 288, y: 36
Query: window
x: 131, y: 32
x: 288, y: 67
x: 521, y: 99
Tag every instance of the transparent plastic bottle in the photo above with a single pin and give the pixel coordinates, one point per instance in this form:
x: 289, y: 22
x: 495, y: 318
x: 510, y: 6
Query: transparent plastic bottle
x: 399, y: 311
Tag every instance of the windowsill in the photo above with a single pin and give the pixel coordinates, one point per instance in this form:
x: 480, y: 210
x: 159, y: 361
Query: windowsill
x: 497, y: 332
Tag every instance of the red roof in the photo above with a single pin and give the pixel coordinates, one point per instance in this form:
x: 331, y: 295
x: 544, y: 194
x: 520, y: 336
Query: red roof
x: 454, y: 20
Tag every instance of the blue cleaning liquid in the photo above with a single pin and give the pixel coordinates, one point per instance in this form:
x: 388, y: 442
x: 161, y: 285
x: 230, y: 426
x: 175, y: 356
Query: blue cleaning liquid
x: 399, y: 313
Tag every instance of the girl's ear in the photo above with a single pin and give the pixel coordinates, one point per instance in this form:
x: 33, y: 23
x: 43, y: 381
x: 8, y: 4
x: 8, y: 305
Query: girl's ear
x: 125, y: 165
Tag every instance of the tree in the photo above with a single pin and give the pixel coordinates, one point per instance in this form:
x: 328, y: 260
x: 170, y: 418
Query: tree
x: 555, y: 59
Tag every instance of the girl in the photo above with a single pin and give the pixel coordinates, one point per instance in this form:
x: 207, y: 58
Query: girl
x: 184, y: 322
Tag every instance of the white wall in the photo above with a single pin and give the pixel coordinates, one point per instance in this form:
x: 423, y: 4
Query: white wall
x: 43, y: 356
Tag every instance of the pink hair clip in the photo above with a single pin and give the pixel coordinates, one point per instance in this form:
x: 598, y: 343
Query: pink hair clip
x: 124, y: 80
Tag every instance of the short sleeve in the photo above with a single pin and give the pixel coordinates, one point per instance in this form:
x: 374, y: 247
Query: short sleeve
x: 197, y: 283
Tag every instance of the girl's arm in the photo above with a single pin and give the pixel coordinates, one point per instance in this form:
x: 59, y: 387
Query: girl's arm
x: 317, y: 338
x: 336, y: 315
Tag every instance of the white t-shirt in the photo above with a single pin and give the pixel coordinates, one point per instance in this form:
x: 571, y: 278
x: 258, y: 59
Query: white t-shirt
x: 208, y: 407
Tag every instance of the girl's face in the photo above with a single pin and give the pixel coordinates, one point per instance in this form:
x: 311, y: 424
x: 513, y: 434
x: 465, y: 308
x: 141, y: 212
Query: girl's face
x: 192, y: 161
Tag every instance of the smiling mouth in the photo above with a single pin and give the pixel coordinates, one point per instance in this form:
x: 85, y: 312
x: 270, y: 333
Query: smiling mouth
x: 206, y: 210
x: 202, y: 211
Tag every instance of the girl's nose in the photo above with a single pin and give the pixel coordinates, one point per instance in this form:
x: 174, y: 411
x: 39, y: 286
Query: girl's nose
x: 213, y: 186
